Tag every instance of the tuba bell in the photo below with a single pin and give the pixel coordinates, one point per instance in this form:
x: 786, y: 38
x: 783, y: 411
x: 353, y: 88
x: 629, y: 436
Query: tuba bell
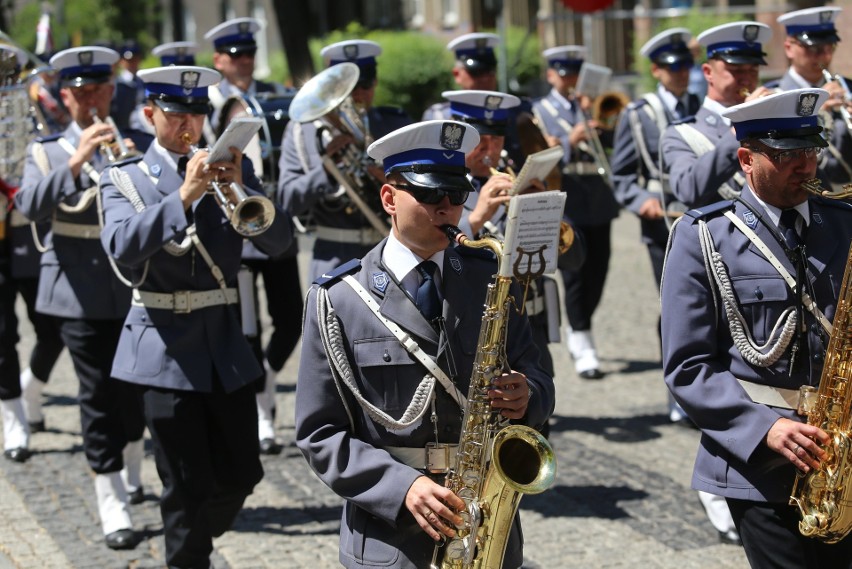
x: 326, y: 99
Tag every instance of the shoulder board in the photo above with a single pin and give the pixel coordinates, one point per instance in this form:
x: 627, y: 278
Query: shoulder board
x: 389, y: 110
x: 126, y: 161
x: 49, y: 137
x: 710, y: 210
x: 476, y: 252
x: 638, y: 103
x: 684, y: 120
x: 772, y: 84
x: 829, y: 202
x: 334, y: 274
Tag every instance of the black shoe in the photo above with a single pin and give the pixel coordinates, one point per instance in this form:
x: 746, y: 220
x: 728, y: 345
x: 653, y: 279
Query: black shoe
x: 591, y: 374
x: 269, y: 446
x: 21, y: 454
x: 122, y: 539
x: 136, y: 497
x: 37, y: 427
x: 730, y: 538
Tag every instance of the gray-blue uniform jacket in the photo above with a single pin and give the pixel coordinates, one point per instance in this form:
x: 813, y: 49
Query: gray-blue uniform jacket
x: 305, y: 186
x: 376, y: 528
x: 76, y: 280
x: 631, y: 174
x: 695, y: 180
x: 701, y: 362
x: 163, y: 347
x: 831, y: 170
x: 590, y: 200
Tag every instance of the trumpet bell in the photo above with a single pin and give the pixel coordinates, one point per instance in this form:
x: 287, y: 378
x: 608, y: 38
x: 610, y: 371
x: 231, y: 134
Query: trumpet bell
x: 253, y: 216
x: 324, y: 92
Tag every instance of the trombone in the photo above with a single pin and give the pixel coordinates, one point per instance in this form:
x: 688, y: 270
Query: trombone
x: 117, y: 149
x: 248, y: 215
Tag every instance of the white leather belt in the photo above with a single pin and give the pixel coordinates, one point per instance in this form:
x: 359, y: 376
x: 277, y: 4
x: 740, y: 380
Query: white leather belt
x: 581, y: 169
x: 364, y: 236
x: 535, y: 305
x: 434, y: 458
x: 183, y: 301
x: 17, y: 219
x: 800, y: 400
x: 77, y: 230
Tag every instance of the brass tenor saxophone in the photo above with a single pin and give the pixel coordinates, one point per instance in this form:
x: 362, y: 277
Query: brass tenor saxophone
x: 824, y: 495
x: 496, y: 464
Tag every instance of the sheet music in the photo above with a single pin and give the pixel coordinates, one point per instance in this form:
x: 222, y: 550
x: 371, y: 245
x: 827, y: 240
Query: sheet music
x: 533, y: 226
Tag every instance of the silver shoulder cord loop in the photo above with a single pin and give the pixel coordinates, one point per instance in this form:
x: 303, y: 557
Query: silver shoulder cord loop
x: 172, y: 247
x: 120, y: 179
x: 743, y: 340
x: 341, y: 371
x: 43, y: 162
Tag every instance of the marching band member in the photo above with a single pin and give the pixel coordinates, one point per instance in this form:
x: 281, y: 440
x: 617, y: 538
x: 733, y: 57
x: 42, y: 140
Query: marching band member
x: 77, y: 286
x: 590, y: 202
x: 699, y: 153
x: 342, y: 232
x: 355, y: 435
x: 182, y: 340
x: 636, y: 159
x: 736, y: 377
x: 809, y: 45
x: 235, y: 48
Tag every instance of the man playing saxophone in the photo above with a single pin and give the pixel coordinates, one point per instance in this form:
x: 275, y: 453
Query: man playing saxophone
x: 372, y: 420
x: 182, y: 342
x: 748, y: 291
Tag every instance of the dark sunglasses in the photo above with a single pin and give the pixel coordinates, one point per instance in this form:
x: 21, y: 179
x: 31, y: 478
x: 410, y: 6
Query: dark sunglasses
x: 433, y: 197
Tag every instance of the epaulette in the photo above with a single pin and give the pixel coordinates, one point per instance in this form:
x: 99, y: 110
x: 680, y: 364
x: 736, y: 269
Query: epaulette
x: 709, y: 210
x: 684, y: 120
x: 333, y: 274
x: 772, y: 84
x: 49, y: 137
x: 390, y: 110
x: 829, y: 202
x: 129, y: 160
x: 637, y: 104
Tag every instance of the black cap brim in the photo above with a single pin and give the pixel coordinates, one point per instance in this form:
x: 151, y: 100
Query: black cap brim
x: 479, y: 66
x: 674, y: 57
x: 818, y: 37
x: 193, y: 108
x: 781, y: 142
x: 82, y: 80
x: 438, y: 180
x: 735, y: 58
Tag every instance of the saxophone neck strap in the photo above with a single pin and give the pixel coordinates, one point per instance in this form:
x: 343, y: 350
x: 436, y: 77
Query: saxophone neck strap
x: 408, y: 342
x: 807, y: 301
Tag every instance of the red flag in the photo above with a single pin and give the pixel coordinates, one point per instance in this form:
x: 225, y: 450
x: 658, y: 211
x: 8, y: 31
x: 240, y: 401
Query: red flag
x: 587, y: 6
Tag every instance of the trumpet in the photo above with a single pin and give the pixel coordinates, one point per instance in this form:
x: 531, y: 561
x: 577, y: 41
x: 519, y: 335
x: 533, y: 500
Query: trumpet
x: 744, y: 92
x: 117, y: 149
x: 248, y: 215
x: 847, y: 95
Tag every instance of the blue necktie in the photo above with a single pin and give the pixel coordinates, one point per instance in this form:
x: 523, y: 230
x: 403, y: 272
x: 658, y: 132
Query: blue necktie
x: 181, y: 166
x: 427, y: 299
x: 680, y: 109
x: 787, y: 225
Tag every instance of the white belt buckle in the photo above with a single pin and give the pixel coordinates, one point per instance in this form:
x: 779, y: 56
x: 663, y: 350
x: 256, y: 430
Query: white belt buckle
x: 182, y: 300
x: 437, y: 458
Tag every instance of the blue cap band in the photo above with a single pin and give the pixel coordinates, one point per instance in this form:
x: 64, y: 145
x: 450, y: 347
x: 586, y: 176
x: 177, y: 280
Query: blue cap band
x: 186, y: 59
x: 796, y: 30
x: 740, y: 46
x: 86, y: 70
x: 473, y: 111
x: 424, y: 156
x: 475, y: 53
x: 746, y: 129
x: 360, y: 61
x: 565, y: 62
x: 235, y: 39
x: 175, y: 91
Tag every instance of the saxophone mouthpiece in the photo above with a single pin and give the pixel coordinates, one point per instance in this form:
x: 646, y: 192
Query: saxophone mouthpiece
x: 454, y: 234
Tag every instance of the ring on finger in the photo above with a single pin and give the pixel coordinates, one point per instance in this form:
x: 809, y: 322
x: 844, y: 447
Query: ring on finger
x: 796, y: 450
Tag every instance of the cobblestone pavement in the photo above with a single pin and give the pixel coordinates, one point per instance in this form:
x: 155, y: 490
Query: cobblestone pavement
x: 621, y: 498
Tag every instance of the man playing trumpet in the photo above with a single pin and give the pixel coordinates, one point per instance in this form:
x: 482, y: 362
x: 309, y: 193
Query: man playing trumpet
x: 182, y: 341
x: 77, y: 287
x: 809, y: 46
